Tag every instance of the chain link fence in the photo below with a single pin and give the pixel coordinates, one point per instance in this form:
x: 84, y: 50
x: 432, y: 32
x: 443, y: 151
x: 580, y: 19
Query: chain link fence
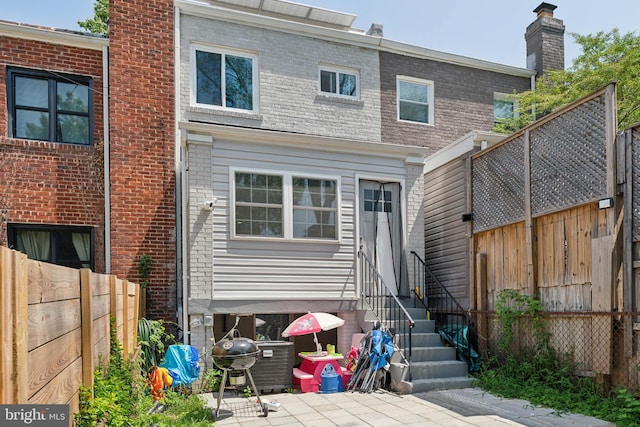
x: 594, y: 343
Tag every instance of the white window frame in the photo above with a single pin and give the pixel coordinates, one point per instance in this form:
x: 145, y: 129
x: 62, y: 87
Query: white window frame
x: 430, y: 98
x: 287, y: 205
x: 499, y: 96
x: 338, y: 71
x: 223, y: 51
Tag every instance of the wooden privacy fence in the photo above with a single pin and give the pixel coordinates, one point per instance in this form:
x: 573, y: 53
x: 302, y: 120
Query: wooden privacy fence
x: 539, y: 228
x: 54, y: 328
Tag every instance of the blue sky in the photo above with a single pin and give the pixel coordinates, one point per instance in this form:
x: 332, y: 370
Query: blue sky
x: 489, y: 30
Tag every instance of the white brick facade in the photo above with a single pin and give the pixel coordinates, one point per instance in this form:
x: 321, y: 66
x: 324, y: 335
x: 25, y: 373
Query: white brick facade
x: 289, y: 97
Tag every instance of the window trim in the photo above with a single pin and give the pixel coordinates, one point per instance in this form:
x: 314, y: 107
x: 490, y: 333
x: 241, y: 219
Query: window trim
x: 430, y: 99
x: 338, y: 71
x: 193, y: 71
x: 501, y: 96
x: 287, y: 205
x: 13, y: 228
x: 13, y: 72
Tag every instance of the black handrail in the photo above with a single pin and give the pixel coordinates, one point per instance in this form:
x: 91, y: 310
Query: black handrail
x: 386, y: 307
x: 443, y: 308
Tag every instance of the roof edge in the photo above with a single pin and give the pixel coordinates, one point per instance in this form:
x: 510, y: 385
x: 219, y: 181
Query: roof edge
x: 52, y: 35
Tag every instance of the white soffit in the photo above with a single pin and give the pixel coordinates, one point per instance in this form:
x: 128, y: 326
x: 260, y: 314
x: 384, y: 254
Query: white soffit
x: 296, y: 10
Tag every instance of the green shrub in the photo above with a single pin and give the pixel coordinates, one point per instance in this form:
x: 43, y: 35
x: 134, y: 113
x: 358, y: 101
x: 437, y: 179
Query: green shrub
x: 120, y: 397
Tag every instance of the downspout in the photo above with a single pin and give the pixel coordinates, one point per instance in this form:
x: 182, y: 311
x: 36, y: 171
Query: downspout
x: 107, y: 163
x: 181, y: 203
x: 533, y: 89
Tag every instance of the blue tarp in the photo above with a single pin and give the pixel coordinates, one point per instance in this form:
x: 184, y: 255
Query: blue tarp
x: 182, y: 363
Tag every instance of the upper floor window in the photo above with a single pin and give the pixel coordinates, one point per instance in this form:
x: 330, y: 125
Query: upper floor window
x: 415, y: 100
x: 224, y: 79
x: 504, y: 107
x: 50, y: 106
x: 55, y: 244
x: 339, y: 82
x: 285, y: 206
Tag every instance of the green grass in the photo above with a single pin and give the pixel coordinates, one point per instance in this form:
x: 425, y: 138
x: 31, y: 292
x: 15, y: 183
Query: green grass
x: 546, y: 381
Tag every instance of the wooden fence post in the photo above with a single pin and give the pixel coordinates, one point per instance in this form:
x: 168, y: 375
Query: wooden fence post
x: 13, y: 326
x: 6, y: 327
x: 125, y: 318
x: 136, y: 314
x: 87, y: 328
x: 530, y: 229
x: 21, y: 326
x: 481, y: 302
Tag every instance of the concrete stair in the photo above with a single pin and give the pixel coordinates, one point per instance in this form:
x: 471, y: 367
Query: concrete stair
x: 434, y: 366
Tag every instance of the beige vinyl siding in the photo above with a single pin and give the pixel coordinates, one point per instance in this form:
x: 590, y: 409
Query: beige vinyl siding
x: 258, y: 269
x: 445, y: 233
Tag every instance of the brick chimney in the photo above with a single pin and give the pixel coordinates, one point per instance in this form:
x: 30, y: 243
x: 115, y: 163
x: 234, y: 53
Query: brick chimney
x: 545, y: 41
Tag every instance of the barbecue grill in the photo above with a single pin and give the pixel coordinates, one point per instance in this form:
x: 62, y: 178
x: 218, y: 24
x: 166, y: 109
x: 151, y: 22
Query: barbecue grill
x: 234, y: 355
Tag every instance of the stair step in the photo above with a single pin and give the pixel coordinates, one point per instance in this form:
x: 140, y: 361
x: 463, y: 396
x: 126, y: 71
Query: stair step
x: 432, y: 354
x: 438, y: 369
x: 421, y: 339
x: 423, y: 385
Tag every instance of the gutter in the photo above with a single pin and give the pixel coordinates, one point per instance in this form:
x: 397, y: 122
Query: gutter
x: 181, y: 201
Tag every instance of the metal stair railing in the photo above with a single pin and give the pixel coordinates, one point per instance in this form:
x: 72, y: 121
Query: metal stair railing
x: 386, y: 306
x: 442, y: 307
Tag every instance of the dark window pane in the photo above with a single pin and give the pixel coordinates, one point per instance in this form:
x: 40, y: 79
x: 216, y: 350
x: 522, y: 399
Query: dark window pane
x: 328, y: 81
x: 239, y: 82
x: 243, y: 194
x: 259, y: 196
x: 31, y: 92
x: 368, y: 206
x: 414, y: 112
x: 208, y: 78
x: 32, y: 125
x: 73, y: 129
x: 348, y: 84
x: 73, y: 97
x: 67, y: 246
x: 258, y: 214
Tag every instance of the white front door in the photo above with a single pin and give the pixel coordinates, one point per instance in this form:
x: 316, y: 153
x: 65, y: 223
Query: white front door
x: 380, y: 230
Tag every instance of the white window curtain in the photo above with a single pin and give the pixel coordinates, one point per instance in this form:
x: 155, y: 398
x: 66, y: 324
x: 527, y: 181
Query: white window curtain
x: 35, y: 244
x: 82, y: 244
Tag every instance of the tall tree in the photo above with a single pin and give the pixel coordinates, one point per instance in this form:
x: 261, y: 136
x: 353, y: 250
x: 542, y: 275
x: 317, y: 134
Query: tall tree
x: 606, y: 57
x: 99, y: 24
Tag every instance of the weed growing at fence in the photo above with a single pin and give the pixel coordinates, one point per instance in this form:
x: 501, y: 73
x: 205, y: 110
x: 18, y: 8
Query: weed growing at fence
x: 121, y: 398
x: 544, y: 377
x: 152, y: 338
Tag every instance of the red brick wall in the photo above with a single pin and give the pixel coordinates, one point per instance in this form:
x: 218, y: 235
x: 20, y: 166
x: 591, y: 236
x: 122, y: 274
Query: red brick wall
x: 52, y: 183
x: 142, y: 146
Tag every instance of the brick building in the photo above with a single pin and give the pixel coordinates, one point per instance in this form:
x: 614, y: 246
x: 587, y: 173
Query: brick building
x: 143, y: 216
x: 52, y: 202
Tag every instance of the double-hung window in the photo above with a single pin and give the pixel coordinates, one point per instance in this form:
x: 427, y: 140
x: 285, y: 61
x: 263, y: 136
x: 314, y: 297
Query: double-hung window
x: 56, y: 244
x: 339, y: 82
x: 50, y: 106
x: 415, y: 100
x: 224, y: 79
x: 287, y: 206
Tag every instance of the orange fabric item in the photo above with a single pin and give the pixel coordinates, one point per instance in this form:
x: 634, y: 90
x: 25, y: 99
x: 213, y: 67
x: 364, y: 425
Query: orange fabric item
x: 159, y: 379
